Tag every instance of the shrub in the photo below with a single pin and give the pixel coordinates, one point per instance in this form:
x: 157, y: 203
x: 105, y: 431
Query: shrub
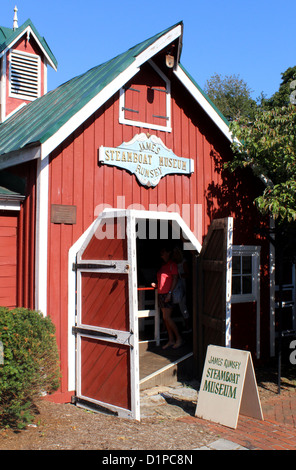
x: 30, y: 367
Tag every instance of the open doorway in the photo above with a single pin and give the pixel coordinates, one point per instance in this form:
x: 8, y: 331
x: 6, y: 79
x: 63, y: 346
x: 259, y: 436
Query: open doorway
x: 160, y: 366
x: 109, y: 263
x: 107, y: 266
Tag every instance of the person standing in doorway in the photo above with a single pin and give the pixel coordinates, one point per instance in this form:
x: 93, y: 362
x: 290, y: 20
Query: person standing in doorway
x: 183, y: 272
x: 167, y: 278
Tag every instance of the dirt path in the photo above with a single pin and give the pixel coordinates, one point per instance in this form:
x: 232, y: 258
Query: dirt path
x: 67, y: 427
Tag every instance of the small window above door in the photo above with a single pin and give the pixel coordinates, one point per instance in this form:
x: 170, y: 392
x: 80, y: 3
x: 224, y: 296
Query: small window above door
x: 145, y: 101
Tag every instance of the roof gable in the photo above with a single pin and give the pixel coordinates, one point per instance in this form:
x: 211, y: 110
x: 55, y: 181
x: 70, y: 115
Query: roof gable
x: 8, y: 37
x: 48, y: 120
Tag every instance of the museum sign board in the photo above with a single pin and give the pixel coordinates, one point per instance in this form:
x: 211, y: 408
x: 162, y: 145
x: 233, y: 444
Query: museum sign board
x: 228, y: 387
x: 147, y: 158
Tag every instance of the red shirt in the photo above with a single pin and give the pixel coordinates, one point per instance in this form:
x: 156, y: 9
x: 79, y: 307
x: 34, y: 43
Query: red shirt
x: 165, y: 277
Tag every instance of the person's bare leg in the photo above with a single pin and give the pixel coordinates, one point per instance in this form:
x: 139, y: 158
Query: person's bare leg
x: 166, y: 315
x: 171, y: 328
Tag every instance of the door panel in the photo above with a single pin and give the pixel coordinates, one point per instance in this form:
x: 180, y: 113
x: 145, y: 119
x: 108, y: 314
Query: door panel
x: 108, y: 241
x: 215, y: 286
x: 107, y: 332
x: 105, y: 373
x: 107, y: 340
x: 105, y: 300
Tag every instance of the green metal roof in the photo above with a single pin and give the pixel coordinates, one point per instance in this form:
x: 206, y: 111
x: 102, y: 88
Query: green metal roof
x: 8, y: 35
x: 5, y: 33
x: 40, y: 119
x: 7, y: 193
x: 35, y: 123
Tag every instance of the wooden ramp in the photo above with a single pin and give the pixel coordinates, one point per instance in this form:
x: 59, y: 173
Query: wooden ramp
x: 164, y: 367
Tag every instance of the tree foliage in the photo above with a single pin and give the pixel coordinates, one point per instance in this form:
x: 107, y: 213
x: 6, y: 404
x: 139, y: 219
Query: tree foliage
x: 268, y: 146
x: 232, y: 96
x: 282, y: 96
x: 31, y: 364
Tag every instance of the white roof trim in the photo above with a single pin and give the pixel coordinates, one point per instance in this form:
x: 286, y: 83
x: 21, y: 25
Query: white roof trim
x: 202, y: 101
x: 158, y: 45
x: 10, y: 205
x: 109, y: 91
x: 83, y: 114
x: 31, y: 32
x: 19, y: 156
x: 102, y: 97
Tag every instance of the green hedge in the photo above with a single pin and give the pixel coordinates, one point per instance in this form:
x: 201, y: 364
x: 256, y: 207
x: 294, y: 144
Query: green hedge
x: 30, y: 364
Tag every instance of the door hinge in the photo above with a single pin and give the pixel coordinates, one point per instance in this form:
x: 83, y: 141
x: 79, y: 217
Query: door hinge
x: 76, y: 266
x: 88, y: 331
x: 130, y: 110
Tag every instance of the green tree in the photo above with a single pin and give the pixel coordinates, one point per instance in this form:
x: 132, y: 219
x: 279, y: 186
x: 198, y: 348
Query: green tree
x: 268, y: 146
x: 283, y: 95
x: 232, y: 96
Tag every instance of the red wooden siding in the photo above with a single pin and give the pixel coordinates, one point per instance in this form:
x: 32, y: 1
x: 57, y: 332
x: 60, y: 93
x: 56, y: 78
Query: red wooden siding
x: 8, y: 258
x: 76, y: 178
x: 17, y: 246
x: 26, y: 238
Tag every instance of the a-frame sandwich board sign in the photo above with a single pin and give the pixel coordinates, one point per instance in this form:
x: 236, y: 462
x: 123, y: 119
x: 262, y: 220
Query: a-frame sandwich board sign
x: 228, y: 387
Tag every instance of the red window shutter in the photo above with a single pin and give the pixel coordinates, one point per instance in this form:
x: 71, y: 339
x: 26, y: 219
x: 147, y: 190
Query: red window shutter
x: 146, y: 98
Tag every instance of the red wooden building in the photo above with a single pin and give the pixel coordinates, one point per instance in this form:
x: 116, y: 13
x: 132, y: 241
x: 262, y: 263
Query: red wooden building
x: 95, y: 176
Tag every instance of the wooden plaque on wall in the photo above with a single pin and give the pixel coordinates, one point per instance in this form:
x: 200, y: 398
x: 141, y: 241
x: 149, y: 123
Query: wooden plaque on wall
x: 62, y: 214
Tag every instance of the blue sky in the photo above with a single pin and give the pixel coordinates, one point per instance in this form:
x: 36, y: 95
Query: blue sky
x: 254, y: 39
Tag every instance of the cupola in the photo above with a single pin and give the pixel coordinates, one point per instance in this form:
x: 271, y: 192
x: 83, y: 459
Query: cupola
x: 24, y: 58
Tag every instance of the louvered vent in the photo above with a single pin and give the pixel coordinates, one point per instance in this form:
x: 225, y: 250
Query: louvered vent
x: 24, y: 75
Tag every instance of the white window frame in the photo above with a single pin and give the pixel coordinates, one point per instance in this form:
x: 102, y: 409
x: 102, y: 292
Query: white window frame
x: 130, y: 122
x: 254, y: 252
x: 38, y: 88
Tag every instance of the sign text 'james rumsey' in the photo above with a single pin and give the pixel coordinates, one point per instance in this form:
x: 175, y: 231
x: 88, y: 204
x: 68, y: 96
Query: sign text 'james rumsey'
x: 147, y: 158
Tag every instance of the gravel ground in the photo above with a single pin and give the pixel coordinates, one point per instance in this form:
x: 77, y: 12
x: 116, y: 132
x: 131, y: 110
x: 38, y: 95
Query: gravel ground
x: 68, y: 427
